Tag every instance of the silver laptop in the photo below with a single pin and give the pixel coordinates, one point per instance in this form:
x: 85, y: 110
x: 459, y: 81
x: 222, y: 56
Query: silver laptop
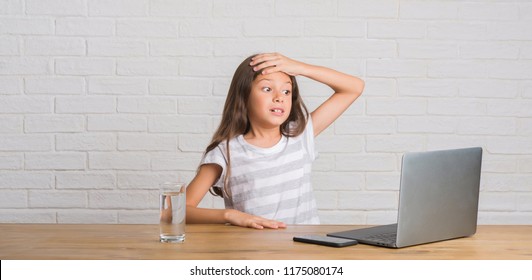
x: 438, y: 200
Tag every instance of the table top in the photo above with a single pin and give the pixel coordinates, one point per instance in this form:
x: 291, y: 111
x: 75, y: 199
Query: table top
x: 225, y: 242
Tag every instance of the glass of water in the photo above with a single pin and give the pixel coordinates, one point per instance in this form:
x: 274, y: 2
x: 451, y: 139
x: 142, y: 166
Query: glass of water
x: 172, y: 210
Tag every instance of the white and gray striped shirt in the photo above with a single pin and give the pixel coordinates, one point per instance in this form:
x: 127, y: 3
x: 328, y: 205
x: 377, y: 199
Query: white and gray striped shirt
x: 273, y: 183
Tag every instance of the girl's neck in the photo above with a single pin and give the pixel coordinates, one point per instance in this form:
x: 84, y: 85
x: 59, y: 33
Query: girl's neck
x: 263, y: 138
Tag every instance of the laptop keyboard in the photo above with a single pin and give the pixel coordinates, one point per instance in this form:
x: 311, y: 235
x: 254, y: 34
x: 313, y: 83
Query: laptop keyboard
x: 387, y: 238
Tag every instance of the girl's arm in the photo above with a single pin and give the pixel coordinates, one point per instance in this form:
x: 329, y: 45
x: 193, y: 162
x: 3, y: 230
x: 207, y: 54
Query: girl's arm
x: 346, y: 88
x: 196, y: 190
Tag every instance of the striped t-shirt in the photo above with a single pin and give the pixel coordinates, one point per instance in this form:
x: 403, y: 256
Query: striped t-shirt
x: 273, y: 183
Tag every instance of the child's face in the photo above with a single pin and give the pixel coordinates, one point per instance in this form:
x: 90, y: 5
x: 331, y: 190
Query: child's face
x: 270, y: 100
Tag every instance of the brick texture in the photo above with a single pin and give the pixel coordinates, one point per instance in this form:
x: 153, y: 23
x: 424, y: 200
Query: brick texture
x: 102, y: 100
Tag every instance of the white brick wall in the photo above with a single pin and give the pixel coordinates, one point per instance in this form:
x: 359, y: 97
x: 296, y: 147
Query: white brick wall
x: 101, y: 100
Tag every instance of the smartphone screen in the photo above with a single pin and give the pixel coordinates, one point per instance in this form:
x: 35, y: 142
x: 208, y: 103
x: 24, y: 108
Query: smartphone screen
x: 325, y: 240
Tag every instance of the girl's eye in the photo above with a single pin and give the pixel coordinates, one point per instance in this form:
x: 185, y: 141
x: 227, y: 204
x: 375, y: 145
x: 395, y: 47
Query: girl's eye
x: 266, y: 89
x: 286, y: 92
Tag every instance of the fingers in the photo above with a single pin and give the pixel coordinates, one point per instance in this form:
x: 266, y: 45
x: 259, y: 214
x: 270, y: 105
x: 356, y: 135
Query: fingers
x: 239, y: 218
x: 260, y: 58
x: 267, y: 63
x: 261, y: 223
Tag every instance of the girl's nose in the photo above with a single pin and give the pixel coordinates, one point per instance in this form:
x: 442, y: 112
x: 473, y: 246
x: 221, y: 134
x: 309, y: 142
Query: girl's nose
x: 278, y: 97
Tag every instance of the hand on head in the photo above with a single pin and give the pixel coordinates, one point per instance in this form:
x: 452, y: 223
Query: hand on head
x: 269, y: 63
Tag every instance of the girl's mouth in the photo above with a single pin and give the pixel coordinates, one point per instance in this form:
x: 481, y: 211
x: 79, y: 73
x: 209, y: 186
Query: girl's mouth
x: 277, y: 110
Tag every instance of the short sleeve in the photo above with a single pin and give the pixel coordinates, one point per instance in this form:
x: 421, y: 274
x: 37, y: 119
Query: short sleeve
x: 216, y: 156
x: 308, y: 140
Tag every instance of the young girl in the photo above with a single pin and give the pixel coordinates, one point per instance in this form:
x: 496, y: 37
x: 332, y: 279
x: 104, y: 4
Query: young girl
x: 260, y: 157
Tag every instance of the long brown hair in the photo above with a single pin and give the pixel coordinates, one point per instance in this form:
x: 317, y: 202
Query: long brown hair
x: 235, y: 119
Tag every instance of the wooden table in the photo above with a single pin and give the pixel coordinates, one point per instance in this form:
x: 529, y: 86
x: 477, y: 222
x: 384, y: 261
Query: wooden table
x: 223, y: 242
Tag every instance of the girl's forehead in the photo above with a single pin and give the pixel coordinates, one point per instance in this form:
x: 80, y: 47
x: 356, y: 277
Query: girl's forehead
x: 278, y: 77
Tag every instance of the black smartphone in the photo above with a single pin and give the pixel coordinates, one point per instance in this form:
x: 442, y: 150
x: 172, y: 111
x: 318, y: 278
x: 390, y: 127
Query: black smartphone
x: 325, y: 240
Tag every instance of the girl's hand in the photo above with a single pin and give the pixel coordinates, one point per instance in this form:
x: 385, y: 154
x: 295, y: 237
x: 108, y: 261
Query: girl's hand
x: 242, y: 219
x: 274, y: 62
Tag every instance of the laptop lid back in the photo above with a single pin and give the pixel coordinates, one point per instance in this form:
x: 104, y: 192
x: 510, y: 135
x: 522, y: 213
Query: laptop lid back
x: 439, y: 195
